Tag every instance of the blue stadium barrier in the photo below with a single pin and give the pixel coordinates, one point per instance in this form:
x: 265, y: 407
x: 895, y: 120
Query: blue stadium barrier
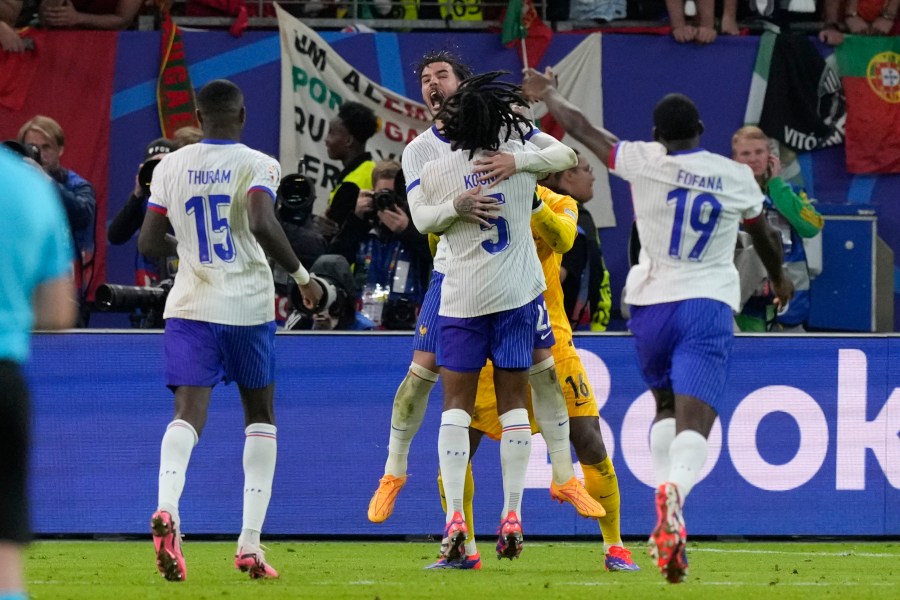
x: 810, y: 445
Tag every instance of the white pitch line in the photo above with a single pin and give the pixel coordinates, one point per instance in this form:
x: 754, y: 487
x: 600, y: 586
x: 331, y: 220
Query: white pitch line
x: 848, y: 553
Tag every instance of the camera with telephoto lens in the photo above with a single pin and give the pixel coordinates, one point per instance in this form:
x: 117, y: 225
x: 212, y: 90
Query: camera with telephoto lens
x: 145, y: 175
x: 145, y: 303
x: 337, y: 306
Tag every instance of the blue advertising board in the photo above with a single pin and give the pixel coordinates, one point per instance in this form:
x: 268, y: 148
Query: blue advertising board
x: 807, y: 444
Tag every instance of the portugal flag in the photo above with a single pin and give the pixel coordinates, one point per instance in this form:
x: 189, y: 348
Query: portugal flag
x: 522, y: 26
x: 870, y: 70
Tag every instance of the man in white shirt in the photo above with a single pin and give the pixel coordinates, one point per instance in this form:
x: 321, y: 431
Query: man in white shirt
x: 219, y: 197
x: 688, y: 205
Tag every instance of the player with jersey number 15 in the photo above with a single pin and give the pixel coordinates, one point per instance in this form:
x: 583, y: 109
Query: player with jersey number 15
x: 219, y: 197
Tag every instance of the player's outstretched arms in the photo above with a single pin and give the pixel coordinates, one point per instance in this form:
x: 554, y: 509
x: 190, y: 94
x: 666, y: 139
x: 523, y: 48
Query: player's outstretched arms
x: 768, y: 246
x: 268, y: 232
x: 537, y: 86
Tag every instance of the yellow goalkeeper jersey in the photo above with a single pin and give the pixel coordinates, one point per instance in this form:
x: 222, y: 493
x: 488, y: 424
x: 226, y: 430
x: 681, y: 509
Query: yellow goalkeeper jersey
x: 554, y: 228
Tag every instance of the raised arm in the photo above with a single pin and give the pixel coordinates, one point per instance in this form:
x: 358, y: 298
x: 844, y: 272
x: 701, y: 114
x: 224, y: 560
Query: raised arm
x: 541, y: 87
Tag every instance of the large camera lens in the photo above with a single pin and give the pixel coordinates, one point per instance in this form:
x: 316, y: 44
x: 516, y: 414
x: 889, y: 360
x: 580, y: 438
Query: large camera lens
x: 119, y: 298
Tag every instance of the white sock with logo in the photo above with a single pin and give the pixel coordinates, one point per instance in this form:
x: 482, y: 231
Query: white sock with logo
x: 688, y: 455
x: 410, y: 402
x: 515, y: 449
x: 260, y: 452
x: 661, y: 435
x: 174, y: 455
x: 549, y: 406
x: 453, y: 452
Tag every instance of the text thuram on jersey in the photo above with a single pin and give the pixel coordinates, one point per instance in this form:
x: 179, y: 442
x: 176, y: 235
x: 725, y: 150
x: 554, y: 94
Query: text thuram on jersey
x: 207, y: 177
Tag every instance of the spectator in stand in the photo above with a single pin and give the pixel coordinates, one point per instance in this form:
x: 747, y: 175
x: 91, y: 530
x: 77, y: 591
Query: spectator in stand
x: 77, y: 196
x: 89, y: 14
x: 185, y: 136
x: 860, y: 17
x: 789, y: 212
x: 704, y: 32
x: 9, y: 14
x: 346, y: 140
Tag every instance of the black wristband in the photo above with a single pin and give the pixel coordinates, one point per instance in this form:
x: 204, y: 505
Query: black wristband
x: 535, y: 202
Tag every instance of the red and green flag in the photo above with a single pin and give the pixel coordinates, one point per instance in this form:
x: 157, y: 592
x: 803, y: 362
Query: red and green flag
x: 523, y: 27
x: 870, y: 71
x: 174, y: 92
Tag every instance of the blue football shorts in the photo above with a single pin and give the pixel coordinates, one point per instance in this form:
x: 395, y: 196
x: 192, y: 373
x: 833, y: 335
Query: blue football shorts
x: 508, y: 338
x: 202, y: 354
x: 425, y: 338
x: 685, y: 346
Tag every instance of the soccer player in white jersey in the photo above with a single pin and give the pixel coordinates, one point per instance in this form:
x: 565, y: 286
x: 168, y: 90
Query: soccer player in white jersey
x: 440, y: 76
x: 688, y: 205
x: 491, y: 302
x: 219, y: 197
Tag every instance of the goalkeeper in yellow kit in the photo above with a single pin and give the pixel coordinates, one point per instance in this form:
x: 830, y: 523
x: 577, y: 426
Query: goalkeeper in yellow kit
x: 554, y: 228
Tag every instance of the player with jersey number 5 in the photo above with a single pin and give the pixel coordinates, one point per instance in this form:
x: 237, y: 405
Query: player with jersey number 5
x: 441, y: 74
x: 219, y: 197
x: 688, y: 205
x: 492, y: 304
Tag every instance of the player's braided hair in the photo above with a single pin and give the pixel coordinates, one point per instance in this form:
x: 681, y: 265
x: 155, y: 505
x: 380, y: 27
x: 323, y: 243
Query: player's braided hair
x: 481, y: 111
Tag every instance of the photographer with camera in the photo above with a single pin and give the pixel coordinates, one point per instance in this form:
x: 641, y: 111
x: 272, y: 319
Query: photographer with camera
x: 148, y: 270
x: 391, y: 260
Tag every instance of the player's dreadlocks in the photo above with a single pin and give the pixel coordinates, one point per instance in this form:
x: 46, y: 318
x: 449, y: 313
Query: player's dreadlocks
x: 480, y: 112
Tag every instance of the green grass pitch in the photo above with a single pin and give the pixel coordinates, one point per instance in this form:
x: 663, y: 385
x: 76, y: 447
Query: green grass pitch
x: 99, y: 570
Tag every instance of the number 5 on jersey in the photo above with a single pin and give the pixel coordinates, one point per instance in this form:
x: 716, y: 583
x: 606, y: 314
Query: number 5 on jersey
x: 502, y: 225
x: 209, y: 223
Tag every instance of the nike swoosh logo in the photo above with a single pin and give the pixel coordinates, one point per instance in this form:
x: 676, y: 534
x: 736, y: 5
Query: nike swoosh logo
x: 544, y: 337
x: 563, y: 423
x: 582, y: 403
x: 607, y: 496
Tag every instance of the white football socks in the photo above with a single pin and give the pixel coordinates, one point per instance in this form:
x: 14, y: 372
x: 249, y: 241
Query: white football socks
x: 549, y: 406
x: 410, y: 402
x: 453, y: 451
x: 688, y: 455
x: 661, y: 435
x: 174, y: 456
x: 260, y: 451
x: 515, y: 449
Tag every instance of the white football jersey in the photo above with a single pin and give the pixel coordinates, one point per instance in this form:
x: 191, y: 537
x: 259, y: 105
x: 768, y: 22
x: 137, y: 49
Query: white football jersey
x: 488, y: 269
x: 427, y: 146
x: 223, y: 275
x: 687, y: 207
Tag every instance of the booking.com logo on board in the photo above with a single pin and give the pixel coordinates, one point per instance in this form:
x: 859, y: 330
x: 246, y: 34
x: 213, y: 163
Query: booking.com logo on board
x: 829, y: 409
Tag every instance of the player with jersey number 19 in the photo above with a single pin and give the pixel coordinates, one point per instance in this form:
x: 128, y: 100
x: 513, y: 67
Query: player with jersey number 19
x: 218, y: 195
x: 491, y: 299
x: 688, y: 205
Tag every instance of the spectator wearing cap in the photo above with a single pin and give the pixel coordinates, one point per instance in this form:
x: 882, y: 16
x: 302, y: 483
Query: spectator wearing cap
x: 148, y: 270
x: 346, y: 140
x: 77, y: 194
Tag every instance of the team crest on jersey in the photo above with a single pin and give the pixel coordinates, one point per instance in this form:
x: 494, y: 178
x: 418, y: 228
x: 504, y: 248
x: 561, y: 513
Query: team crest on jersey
x: 422, y: 330
x: 272, y: 172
